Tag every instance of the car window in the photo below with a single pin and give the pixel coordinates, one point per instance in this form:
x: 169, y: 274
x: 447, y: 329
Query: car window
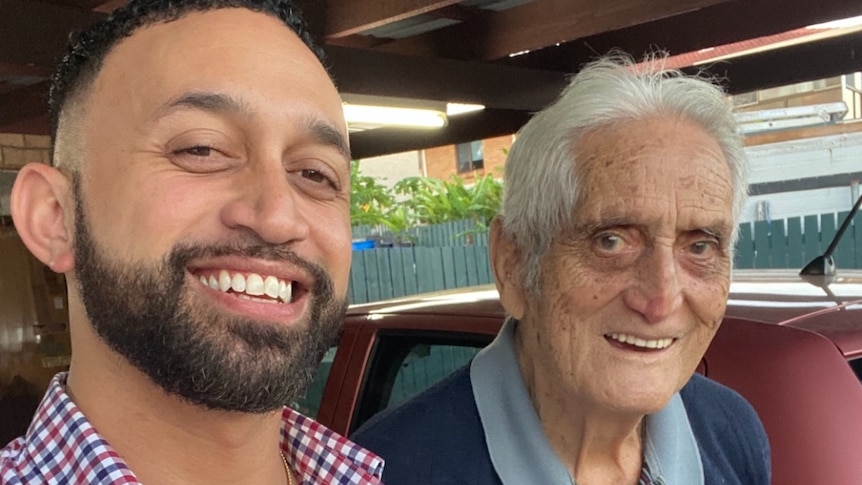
x: 310, y: 402
x: 856, y: 364
x: 405, y: 364
x: 425, y: 365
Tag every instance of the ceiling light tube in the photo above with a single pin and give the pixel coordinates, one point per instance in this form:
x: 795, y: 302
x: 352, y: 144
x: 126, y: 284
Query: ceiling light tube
x: 391, y: 116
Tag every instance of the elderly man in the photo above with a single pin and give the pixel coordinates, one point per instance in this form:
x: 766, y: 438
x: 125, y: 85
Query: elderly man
x: 615, y: 278
x: 198, y: 205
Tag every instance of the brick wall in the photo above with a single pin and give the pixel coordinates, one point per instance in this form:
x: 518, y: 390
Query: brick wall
x: 16, y: 150
x: 441, y: 162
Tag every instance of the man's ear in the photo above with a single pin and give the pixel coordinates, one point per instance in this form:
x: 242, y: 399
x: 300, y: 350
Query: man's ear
x: 39, y: 198
x: 506, y: 263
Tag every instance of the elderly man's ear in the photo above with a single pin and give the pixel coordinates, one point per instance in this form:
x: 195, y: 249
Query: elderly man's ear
x: 39, y: 201
x: 506, y: 263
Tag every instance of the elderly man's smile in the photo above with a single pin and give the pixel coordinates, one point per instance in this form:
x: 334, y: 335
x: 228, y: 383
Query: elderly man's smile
x: 631, y: 342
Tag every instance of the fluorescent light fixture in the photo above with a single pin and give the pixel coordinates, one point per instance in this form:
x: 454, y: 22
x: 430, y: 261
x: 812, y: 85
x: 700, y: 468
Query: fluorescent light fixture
x: 378, y: 116
x: 453, y: 109
x: 847, y: 23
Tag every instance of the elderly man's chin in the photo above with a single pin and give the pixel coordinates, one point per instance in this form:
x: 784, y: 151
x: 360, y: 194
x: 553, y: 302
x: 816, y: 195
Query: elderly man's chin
x: 641, y: 391
x: 150, y: 315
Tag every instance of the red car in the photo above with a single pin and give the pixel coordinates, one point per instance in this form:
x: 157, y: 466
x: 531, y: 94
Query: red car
x: 792, y: 347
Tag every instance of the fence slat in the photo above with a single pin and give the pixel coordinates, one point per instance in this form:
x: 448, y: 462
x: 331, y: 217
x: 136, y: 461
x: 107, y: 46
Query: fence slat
x: 857, y: 238
x: 844, y: 252
x: 372, y: 276
x: 483, y: 265
x: 744, y: 247
x: 384, y: 273
x: 408, y: 263
x: 398, y: 272
x: 812, y: 237
x: 795, y: 248
x: 358, y: 281
x: 460, y: 262
x: 761, y: 244
x: 472, y: 265
x: 448, y: 260
x: 778, y: 245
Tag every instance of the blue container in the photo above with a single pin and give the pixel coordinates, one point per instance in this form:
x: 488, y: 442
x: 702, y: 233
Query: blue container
x: 365, y: 244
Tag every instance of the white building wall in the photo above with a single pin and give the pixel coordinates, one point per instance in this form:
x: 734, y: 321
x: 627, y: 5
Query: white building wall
x: 810, y: 157
x: 801, y: 203
x: 389, y: 169
x: 802, y: 159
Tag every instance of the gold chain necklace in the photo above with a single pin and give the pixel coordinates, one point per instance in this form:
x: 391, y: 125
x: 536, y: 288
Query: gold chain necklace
x: 287, y: 469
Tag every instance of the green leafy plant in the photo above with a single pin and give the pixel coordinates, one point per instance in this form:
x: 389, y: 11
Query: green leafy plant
x: 434, y: 201
x: 370, y: 201
x: 418, y: 201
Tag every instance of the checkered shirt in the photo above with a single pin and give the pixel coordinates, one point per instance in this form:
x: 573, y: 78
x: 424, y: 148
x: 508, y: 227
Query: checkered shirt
x: 62, y: 448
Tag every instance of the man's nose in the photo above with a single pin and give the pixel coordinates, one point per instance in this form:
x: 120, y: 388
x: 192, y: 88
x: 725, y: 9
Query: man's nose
x: 267, y: 204
x: 656, y: 292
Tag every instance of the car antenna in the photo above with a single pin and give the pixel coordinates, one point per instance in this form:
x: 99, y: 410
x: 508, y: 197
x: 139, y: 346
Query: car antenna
x: 824, y: 265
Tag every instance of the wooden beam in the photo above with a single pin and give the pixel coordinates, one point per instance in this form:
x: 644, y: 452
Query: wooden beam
x: 359, y: 71
x: 539, y: 24
x: 693, y: 31
x: 37, y: 125
x: 341, y: 18
x: 461, y: 129
x: 24, y: 70
x: 24, y: 103
x: 793, y: 64
x: 109, y: 6
x: 35, y: 33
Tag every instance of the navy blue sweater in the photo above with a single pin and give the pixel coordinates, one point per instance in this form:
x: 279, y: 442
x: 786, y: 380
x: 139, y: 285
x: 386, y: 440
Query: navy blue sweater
x: 436, y: 438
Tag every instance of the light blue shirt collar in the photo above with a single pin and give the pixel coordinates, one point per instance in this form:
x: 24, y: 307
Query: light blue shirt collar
x: 519, y: 449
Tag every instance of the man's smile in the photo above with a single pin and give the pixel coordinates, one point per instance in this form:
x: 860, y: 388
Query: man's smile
x: 251, y: 286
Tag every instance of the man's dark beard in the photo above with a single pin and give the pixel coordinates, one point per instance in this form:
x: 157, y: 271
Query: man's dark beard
x: 148, y: 315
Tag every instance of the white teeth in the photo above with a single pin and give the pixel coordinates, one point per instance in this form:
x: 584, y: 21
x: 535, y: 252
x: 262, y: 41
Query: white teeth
x: 237, y: 283
x: 251, y: 286
x: 254, y: 284
x: 270, y: 286
x: 639, y: 342
x: 285, y: 291
x: 224, y: 281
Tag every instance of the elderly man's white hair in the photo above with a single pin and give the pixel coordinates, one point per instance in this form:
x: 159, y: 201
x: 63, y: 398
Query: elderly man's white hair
x: 614, y: 88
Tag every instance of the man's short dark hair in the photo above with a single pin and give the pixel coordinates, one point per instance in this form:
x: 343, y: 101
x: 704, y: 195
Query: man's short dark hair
x: 87, y: 49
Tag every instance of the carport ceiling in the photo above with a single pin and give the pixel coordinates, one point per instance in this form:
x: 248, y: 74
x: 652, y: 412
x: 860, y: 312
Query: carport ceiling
x: 461, y: 51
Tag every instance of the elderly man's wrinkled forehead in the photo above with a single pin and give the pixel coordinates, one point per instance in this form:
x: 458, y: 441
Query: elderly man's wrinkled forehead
x: 612, y: 163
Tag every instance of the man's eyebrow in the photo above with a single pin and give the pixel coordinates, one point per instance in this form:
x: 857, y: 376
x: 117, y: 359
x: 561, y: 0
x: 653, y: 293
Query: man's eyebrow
x: 327, y: 135
x: 213, y: 102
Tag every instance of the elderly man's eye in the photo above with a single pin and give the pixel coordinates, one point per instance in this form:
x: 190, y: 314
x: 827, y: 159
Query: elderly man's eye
x: 703, y: 247
x: 609, y: 242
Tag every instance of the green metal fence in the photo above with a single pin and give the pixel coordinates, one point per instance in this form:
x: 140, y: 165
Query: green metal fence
x: 442, y: 257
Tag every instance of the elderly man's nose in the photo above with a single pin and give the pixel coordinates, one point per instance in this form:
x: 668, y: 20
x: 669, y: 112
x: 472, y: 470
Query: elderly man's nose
x: 268, y: 205
x: 656, y: 292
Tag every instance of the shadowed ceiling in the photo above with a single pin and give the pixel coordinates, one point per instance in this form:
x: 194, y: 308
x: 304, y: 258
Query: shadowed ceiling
x: 461, y: 51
